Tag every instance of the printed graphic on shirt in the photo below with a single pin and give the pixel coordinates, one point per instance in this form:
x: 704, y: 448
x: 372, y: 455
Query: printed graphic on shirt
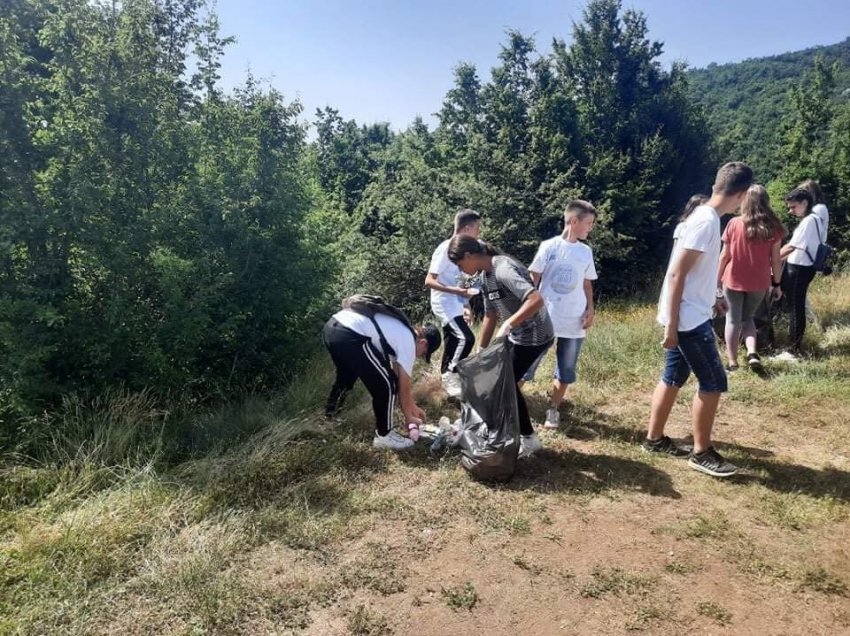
x: 565, y: 277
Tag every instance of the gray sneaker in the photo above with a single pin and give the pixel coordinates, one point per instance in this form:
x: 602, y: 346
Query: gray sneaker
x: 712, y: 463
x: 553, y: 419
x: 664, y: 446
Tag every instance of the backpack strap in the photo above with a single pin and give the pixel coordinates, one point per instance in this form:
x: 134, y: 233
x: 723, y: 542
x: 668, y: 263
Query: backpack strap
x: 820, y: 240
x: 385, y: 345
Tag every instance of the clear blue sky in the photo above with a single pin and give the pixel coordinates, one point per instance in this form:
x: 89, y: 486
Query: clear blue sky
x: 390, y: 60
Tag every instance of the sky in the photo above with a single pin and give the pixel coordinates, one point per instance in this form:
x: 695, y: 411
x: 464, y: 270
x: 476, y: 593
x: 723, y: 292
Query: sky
x: 391, y: 60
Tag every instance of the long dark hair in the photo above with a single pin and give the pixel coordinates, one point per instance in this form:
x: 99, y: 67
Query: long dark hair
x: 693, y: 203
x: 462, y: 244
x: 814, y: 189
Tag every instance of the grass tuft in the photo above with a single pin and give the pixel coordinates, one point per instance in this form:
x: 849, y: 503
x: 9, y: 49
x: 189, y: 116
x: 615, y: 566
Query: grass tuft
x: 714, y: 611
x: 463, y: 597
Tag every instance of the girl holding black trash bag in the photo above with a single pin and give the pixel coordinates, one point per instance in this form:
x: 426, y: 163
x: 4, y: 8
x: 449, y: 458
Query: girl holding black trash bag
x: 510, y: 295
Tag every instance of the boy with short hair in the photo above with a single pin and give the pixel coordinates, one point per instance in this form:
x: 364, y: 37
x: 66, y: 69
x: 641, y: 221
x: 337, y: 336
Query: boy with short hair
x: 685, y: 308
x: 448, y: 300
x: 563, y: 271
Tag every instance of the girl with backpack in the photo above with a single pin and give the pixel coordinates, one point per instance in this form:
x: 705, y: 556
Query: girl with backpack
x: 373, y: 342
x: 750, y: 269
x: 800, y: 255
x: 510, y: 296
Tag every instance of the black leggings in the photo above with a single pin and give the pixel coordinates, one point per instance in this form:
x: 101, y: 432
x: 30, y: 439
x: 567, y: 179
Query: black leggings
x: 355, y: 357
x: 795, y: 285
x: 457, y: 343
x: 524, y: 357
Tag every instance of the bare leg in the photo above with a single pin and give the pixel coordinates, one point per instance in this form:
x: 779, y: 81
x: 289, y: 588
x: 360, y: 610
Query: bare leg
x: 704, y: 410
x: 559, y: 389
x: 663, y: 399
x: 749, y: 332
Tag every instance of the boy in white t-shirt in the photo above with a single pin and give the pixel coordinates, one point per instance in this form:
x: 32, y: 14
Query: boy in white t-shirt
x: 449, y: 300
x: 563, y: 270
x: 688, y: 297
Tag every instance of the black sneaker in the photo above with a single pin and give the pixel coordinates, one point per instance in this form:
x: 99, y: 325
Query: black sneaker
x: 664, y: 445
x: 754, y: 362
x: 712, y: 463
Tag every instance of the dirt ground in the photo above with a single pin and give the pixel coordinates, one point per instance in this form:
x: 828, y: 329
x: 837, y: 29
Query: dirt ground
x: 594, y: 537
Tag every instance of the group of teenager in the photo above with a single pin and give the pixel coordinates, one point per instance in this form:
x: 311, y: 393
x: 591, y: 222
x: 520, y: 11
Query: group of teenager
x: 551, y: 302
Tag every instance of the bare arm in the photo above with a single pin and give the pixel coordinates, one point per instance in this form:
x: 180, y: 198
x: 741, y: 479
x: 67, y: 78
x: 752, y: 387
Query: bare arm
x: 530, y: 306
x: 412, y: 413
x: 786, y: 250
x: 590, y: 312
x: 775, y: 269
x: 535, y: 278
x: 683, y: 264
x: 725, y: 257
x: 488, y: 326
x: 432, y: 283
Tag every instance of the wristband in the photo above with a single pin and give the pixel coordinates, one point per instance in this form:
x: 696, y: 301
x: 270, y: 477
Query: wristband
x: 772, y: 284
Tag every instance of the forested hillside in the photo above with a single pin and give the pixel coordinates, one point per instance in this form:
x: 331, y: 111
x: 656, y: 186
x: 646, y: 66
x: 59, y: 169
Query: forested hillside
x: 744, y: 101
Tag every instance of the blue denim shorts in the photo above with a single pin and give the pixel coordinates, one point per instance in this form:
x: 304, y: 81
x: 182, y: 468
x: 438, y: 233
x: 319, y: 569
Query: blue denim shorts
x: 566, y: 360
x: 697, y: 352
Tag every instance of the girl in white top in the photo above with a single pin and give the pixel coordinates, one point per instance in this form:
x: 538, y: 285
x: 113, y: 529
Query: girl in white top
x: 799, y: 253
x: 819, y: 208
x: 693, y: 203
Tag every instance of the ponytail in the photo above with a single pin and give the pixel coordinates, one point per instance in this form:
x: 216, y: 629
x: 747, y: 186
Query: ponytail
x: 462, y: 245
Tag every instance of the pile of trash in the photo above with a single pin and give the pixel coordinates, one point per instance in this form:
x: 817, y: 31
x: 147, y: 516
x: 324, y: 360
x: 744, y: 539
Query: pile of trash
x: 487, y: 432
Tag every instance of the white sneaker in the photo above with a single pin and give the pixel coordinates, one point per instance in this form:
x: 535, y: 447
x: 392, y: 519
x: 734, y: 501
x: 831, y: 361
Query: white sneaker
x: 392, y: 441
x: 451, y: 383
x: 785, y: 356
x: 529, y: 444
x: 553, y: 419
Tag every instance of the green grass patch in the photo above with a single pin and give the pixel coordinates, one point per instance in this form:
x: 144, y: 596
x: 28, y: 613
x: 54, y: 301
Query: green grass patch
x: 819, y: 580
x: 713, y: 526
x: 365, y: 622
x: 714, y: 611
x: 463, y: 597
x: 616, y: 581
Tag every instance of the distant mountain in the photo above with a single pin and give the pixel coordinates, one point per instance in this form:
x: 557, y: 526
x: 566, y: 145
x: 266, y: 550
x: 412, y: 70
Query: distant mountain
x: 746, y: 101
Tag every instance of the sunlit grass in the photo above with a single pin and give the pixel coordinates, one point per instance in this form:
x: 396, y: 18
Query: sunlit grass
x: 107, y: 522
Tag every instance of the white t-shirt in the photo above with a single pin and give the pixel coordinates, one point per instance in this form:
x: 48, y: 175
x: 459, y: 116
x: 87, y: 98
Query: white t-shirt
x: 445, y: 306
x: 821, y: 211
x: 805, y: 237
x: 396, y: 333
x: 700, y: 232
x: 563, y: 267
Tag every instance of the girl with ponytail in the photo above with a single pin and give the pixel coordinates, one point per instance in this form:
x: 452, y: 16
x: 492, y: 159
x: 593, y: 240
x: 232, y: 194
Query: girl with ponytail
x: 510, y: 296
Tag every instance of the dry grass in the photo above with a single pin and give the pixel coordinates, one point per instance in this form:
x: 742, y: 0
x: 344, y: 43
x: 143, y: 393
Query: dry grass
x: 303, y: 528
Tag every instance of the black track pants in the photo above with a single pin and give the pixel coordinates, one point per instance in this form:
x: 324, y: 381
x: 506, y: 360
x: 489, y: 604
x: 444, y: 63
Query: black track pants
x: 795, y: 284
x: 457, y: 343
x: 355, y: 357
x: 524, y: 357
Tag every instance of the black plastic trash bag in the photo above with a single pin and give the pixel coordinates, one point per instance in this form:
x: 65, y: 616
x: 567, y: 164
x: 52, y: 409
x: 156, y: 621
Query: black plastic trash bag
x: 490, y: 438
